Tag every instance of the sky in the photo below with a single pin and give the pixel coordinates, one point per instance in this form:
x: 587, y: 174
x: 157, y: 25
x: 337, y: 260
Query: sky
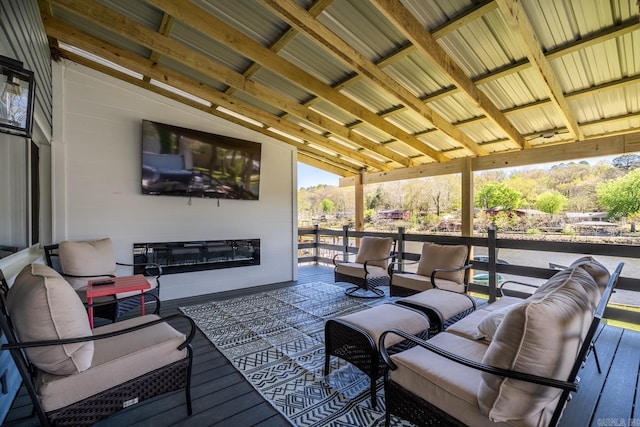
x: 308, y: 176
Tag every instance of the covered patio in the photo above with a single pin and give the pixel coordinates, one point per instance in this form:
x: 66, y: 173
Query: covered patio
x: 372, y: 91
x: 222, y: 397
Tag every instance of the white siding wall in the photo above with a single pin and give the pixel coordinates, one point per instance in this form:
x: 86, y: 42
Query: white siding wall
x: 97, y: 184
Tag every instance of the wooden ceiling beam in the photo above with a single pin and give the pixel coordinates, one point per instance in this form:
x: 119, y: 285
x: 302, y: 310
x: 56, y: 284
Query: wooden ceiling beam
x: 426, y: 44
x: 597, y: 147
x: 230, y: 37
x: 281, y: 42
x: 324, y: 164
x: 297, y: 17
x: 141, y: 65
x: 178, y: 51
x: 516, y: 18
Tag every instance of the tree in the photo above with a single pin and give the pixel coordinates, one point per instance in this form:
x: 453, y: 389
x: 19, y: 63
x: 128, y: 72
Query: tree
x: 627, y: 161
x: 551, y: 202
x: 327, y: 206
x: 622, y: 196
x: 494, y: 194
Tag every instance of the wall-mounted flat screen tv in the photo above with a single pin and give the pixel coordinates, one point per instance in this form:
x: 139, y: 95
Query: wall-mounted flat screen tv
x: 183, y: 162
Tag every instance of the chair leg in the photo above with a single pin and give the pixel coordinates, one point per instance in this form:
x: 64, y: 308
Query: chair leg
x: 595, y: 355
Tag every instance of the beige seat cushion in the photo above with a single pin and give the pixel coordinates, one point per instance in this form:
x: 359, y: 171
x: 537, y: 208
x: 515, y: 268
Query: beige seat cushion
x: 540, y: 336
x: 115, y: 361
x: 448, y: 304
x: 43, y: 306
x: 420, y: 283
x: 383, y: 317
x: 86, y: 258
x: 445, y: 257
x: 374, y: 248
x: 357, y: 270
x: 447, y: 385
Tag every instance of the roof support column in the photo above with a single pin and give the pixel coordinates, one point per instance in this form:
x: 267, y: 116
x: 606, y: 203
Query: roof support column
x: 467, y: 198
x: 359, y: 202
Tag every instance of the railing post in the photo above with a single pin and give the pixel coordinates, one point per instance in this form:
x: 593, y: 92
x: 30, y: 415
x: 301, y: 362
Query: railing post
x: 316, y: 240
x: 345, y: 243
x: 400, y: 248
x: 492, y: 252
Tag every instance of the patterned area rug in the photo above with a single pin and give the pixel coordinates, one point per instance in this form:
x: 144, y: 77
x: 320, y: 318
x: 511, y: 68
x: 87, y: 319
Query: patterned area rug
x: 276, y: 340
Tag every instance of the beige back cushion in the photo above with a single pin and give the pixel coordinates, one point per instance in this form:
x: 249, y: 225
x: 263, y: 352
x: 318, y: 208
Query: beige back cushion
x: 374, y: 248
x: 88, y: 258
x: 43, y: 306
x: 598, y: 271
x: 443, y: 256
x: 540, y: 336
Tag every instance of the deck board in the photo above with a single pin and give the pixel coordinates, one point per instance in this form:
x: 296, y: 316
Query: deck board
x: 222, y: 397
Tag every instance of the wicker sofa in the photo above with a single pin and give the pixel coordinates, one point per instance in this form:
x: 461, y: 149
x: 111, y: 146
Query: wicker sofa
x: 512, y: 363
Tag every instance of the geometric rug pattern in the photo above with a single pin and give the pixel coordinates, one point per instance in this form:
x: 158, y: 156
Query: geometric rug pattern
x: 276, y: 341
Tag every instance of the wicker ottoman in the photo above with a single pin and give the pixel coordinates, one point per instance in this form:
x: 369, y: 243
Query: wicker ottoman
x: 444, y: 308
x: 354, y: 337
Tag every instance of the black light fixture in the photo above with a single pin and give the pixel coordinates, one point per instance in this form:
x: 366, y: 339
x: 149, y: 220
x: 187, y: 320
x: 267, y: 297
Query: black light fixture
x: 17, y: 87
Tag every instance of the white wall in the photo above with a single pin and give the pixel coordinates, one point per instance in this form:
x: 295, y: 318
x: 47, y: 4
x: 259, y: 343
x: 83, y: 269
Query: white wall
x: 96, y: 169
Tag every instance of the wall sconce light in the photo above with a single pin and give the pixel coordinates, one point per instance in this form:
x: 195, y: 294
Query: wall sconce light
x: 17, y: 94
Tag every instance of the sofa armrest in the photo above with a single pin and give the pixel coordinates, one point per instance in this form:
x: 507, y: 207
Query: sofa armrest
x: 44, y: 343
x: 521, y: 376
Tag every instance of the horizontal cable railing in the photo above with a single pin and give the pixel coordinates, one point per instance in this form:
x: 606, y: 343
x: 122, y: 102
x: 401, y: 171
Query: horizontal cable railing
x: 319, y: 246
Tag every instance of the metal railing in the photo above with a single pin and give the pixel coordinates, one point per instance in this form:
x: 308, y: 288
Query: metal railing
x: 319, y: 246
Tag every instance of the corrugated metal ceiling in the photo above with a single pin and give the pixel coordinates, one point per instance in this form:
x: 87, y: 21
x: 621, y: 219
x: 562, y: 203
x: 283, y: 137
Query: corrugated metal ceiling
x: 479, y: 95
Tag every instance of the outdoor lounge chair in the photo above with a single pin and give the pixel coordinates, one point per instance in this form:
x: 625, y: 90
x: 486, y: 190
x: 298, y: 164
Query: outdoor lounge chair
x: 440, y: 266
x: 507, y: 365
x: 78, y: 376
x: 81, y: 261
x: 369, y: 270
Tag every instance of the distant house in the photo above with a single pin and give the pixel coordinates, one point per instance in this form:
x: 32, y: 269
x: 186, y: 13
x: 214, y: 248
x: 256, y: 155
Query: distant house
x: 394, y: 214
x: 573, y: 217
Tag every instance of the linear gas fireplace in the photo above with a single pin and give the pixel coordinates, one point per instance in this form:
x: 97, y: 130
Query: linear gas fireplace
x: 181, y: 257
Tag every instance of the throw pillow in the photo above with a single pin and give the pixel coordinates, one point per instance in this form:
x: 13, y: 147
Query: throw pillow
x: 443, y: 256
x: 43, y: 306
x: 89, y: 258
x: 374, y: 248
x: 489, y: 324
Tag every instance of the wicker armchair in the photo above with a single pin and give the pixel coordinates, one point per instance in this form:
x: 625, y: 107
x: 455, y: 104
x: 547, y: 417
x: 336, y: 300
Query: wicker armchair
x: 439, y: 267
x: 81, y: 261
x: 369, y: 270
x: 76, y: 376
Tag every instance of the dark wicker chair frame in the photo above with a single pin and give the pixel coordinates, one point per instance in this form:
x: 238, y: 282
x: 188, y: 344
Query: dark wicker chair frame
x: 368, y: 284
x: 174, y: 376
x: 399, y: 291
x: 408, y: 406
x: 350, y: 343
x: 118, y: 307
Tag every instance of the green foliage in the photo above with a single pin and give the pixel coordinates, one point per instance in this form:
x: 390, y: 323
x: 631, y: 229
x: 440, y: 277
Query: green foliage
x: 327, y: 206
x: 369, y: 215
x: 494, y: 194
x: 551, y: 202
x: 622, y: 195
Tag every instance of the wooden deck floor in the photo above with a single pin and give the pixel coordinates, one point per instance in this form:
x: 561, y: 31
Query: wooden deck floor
x: 221, y: 397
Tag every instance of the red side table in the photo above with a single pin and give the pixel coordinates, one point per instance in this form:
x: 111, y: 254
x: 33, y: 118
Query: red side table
x: 121, y: 284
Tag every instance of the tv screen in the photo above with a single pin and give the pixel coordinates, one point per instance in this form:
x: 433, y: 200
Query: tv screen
x: 184, y: 162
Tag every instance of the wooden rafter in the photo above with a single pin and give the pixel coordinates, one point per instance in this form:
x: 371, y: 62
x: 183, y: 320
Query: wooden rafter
x: 144, y: 66
x: 178, y: 51
x: 517, y: 20
x: 413, y: 30
x: 227, y: 35
x: 165, y: 29
x: 290, y: 12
